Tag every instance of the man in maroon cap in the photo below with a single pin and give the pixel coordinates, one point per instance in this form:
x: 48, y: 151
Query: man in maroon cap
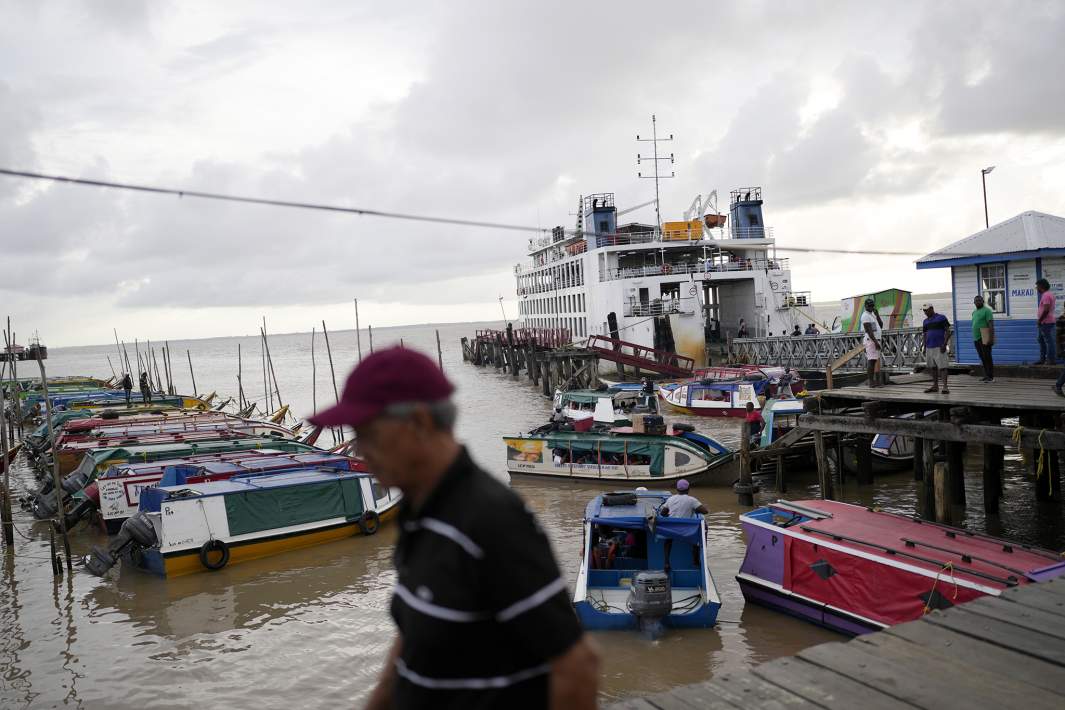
x: 483, y: 614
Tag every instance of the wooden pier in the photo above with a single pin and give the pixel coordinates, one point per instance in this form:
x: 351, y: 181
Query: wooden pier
x: 1024, y: 413
x: 545, y: 355
x: 995, y: 652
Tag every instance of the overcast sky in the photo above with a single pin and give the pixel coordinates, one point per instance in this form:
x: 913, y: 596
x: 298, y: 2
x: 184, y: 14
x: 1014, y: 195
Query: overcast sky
x: 866, y: 125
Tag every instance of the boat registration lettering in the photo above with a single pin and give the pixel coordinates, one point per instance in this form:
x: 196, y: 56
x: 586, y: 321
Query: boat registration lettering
x: 656, y: 589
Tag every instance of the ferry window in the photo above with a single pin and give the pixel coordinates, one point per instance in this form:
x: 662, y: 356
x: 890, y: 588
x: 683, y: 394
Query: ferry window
x: 993, y: 286
x: 682, y: 459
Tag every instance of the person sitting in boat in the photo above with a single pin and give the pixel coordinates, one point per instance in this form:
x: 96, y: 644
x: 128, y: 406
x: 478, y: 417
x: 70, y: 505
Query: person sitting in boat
x: 558, y: 418
x: 754, y: 418
x: 681, y: 505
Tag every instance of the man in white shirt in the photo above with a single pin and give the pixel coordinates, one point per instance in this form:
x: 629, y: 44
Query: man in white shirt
x: 870, y: 324
x: 681, y: 505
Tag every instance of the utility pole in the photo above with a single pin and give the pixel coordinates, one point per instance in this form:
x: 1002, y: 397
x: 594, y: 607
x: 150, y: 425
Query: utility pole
x: 983, y: 179
x: 654, y: 140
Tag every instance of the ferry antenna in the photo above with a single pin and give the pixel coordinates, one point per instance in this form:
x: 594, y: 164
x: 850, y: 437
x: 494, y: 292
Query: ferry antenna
x: 654, y: 140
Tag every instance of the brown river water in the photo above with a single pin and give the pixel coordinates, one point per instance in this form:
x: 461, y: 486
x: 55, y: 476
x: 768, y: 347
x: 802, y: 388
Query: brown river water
x: 310, y: 628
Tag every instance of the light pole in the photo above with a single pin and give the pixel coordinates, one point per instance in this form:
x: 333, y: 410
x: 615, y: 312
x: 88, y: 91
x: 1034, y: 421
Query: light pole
x: 983, y: 179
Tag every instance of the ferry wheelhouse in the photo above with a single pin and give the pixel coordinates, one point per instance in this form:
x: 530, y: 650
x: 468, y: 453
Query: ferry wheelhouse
x: 670, y: 288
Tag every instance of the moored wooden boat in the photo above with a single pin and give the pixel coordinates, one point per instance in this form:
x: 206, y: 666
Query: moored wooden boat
x: 709, y: 398
x: 626, y: 580
x: 117, y: 491
x: 620, y: 455
x: 206, y: 526
x: 856, y: 570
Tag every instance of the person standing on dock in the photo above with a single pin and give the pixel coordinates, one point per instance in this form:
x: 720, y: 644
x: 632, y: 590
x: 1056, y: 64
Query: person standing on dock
x: 146, y: 388
x: 984, y: 336
x: 936, y: 336
x: 871, y: 327
x: 127, y: 386
x: 483, y: 615
x: 1046, y: 323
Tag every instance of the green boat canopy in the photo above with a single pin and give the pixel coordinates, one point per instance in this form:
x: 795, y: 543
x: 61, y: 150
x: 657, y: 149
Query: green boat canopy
x: 654, y: 450
x: 272, y: 508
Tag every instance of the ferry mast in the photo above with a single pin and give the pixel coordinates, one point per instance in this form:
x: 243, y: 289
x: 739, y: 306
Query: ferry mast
x: 654, y: 140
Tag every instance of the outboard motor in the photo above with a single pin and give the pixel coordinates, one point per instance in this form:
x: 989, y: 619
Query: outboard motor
x: 651, y: 599
x: 44, y: 504
x: 136, y: 532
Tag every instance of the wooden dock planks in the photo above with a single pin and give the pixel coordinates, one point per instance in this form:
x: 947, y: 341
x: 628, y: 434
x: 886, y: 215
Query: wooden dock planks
x: 999, y: 652
x: 1014, y: 393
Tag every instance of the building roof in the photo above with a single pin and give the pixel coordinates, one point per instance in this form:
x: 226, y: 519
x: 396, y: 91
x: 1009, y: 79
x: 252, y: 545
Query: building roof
x: 1026, y: 235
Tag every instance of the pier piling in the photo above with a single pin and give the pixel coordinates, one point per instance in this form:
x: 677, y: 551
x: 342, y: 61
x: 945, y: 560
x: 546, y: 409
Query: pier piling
x: 993, y: 462
x: 745, y: 487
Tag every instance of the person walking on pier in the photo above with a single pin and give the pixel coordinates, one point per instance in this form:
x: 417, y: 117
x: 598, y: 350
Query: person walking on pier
x: 127, y: 385
x: 146, y: 388
x: 483, y: 616
x: 1046, y: 323
x: 984, y: 336
x: 874, y: 331
x: 936, y: 336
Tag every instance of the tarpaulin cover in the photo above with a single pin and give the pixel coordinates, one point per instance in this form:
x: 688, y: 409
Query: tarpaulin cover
x: 876, y: 591
x: 683, y: 529
x: 269, y: 508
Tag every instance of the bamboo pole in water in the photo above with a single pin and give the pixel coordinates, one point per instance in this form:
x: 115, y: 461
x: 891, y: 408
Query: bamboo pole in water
x: 140, y: 363
x: 56, y: 481
x: 240, y: 381
x: 169, y: 365
x: 120, y: 363
x: 195, y: 391
x: 113, y: 373
x: 439, y: 352
x: 314, y: 377
x: 125, y: 352
x: 270, y: 362
x: 268, y: 400
x: 332, y: 371
x: 358, y: 336
x: 17, y: 418
x: 5, y: 493
x: 371, y: 338
x: 155, y: 363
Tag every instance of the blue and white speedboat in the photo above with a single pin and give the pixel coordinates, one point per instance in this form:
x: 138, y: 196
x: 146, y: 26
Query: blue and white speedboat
x: 625, y: 581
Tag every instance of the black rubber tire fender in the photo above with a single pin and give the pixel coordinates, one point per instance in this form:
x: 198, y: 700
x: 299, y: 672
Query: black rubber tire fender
x: 369, y: 522
x: 214, y: 546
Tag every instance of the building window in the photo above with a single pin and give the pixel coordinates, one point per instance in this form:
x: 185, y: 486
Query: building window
x: 993, y: 286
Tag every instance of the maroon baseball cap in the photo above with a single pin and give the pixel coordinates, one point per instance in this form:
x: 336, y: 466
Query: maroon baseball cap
x: 385, y: 377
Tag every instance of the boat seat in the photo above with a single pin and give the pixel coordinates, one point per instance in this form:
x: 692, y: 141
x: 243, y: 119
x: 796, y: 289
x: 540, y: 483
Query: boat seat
x: 612, y: 577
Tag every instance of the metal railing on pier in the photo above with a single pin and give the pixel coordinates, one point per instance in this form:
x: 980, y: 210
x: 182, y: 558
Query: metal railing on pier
x: 901, y: 349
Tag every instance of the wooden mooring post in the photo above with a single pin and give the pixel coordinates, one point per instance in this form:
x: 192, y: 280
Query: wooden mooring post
x: 993, y: 463
x: 745, y: 486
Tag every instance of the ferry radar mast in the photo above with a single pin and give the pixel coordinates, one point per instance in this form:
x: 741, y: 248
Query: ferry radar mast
x: 654, y: 140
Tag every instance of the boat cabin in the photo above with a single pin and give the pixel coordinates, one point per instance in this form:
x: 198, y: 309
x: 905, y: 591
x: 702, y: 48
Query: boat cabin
x: 625, y: 535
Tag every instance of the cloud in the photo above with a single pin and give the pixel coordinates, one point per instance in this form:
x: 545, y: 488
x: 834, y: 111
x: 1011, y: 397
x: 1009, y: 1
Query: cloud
x: 497, y: 112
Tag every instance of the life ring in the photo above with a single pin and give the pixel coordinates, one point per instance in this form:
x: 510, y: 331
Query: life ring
x: 369, y: 522
x: 214, y: 546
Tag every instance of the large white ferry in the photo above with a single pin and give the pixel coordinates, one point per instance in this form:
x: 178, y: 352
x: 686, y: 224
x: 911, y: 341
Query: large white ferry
x: 672, y: 288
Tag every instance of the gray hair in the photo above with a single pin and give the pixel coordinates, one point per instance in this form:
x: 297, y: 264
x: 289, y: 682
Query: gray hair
x: 443, y: 412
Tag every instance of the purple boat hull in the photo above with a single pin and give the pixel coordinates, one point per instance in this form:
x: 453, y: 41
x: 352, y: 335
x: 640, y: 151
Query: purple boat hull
x: 762, y: 575
x: 805, y: 609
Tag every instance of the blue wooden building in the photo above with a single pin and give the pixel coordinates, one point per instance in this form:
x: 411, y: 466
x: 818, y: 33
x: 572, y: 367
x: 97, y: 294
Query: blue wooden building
x: 1003, y: 263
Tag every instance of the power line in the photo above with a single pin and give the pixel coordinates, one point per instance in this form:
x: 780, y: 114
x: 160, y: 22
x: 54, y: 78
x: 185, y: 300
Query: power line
x: 265, y: 201
x: 223, y: 197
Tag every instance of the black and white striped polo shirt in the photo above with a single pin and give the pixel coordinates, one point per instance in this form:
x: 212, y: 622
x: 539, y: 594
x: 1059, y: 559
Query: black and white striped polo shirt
x: 479, y: 599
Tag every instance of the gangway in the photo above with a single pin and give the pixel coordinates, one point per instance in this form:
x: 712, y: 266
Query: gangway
x: 639, y: 356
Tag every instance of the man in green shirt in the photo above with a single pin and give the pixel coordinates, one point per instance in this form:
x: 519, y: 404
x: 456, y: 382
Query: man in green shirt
x: 984, y: 336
